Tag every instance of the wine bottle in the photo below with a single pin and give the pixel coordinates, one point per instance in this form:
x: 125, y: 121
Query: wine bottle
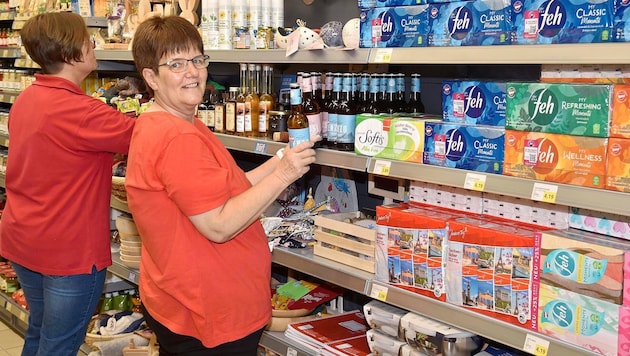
x: 252, y: 108
x: 415, y: 105
x: 346, y: 116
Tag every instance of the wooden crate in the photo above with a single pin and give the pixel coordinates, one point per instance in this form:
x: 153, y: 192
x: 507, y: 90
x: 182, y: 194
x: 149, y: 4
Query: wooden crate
x: 345, y: 242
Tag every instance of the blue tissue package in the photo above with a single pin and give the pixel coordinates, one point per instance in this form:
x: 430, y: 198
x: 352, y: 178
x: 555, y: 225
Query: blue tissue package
x: 403, y: 26
x: 474, y: 148
x: 369, y: 4
x: 621, y: 22
x: 492, y: 23
x: 474, y: 102
x: 562, y: 21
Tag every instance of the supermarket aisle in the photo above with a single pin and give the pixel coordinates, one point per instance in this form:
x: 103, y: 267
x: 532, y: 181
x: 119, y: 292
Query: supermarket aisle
x: 10, y: 342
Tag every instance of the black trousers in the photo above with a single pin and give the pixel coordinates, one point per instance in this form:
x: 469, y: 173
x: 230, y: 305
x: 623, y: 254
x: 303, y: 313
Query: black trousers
x: 172, y: 344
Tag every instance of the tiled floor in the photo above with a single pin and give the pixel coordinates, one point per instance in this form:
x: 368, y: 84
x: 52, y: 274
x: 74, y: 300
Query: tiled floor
x: 10, y: 342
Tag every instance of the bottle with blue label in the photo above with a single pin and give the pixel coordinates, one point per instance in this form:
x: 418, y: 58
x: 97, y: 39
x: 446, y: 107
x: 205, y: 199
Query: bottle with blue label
x: 297, y: 123
x: 346, y: 115
x: 415, y: 105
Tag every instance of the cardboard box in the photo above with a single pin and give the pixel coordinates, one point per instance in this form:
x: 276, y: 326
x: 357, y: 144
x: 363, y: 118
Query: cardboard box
x: 347, y: 238
x: 576, y: 160
x: 618, y: 164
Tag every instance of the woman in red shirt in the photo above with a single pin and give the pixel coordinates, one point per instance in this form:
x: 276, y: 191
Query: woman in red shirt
x: 55, y: 226
x: 206, y: 267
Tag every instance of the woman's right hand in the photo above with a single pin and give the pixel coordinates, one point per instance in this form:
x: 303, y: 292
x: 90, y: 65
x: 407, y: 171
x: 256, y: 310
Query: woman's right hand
x: 295, y: 162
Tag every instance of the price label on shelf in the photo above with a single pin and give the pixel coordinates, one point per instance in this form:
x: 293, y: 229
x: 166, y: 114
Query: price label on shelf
x: 383, y: 55
x: 475, y: 181
x: 260, y: 148
x: 536, y: 345
x: 132, y: 277
x: 291, y: 351
x: 382, y: 167
x: 545, y: 192
x: 379, y: 292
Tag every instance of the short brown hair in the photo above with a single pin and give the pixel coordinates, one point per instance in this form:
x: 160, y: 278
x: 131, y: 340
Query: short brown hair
x: 157, y: 36
x: 54, y: 38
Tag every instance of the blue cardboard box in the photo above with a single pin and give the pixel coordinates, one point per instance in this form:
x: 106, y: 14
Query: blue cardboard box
x: 474, y: 102
x: 402, y: 26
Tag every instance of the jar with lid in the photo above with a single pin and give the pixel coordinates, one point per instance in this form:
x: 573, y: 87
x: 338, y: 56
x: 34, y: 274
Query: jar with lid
x: 12, y: 282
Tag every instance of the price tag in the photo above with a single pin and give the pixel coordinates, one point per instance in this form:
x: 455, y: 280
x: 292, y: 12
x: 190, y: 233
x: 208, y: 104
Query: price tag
x: 260, y: 148
x: 475, y: 181
x: 12, y: 99
x: 291, y: 351
x: 545, y: 192
x: 382, y: 167
x: 10, y: 307
x: 535, y: 345
x: 383, y: 55
x: 23, y: 316
x: 3, y: 98
x: 379, y: 292
x: 133, y: 277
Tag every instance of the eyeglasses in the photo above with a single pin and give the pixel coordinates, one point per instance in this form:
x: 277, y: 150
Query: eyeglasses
x: 179, y: 65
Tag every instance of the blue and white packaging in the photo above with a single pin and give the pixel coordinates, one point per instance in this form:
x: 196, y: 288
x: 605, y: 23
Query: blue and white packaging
x: 402, y: 26
x: 474, y: 102
x: 370, y: 4
x: 562, y: 21
x: 450, y: 24
x: 621, y: 32
x: 474, y: 148
x: 492, y: 23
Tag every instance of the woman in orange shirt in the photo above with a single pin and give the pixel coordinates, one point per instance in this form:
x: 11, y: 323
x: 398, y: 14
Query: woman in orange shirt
x: 206, y: 266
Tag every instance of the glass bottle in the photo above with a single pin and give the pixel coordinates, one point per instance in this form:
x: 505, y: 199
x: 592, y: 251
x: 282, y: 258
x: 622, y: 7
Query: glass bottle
x: 311, y: 107
x: 230, y: 111
x: 331, y: 107
x: 210, y: 117
x: 297, y: 123
x: 373, y: 106
x: 346, y: 116
x: 388, y: 104
x: 266, y: 103
x: 327, y: 97
x: 202, y: 108
x: 240, y: 101
x: 363, y: 101
x: 415, y: 105
x: 401, y: 88
x: 219, y: 112
x: 252, y: 108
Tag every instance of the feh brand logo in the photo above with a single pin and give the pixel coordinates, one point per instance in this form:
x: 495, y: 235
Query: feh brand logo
x: 543, y: 107
x: 460, y: 23
x: 475, y: 103
x: 552, y: 18
x: 547, y: 157
x: 388, y: 26
x: 455, y: 145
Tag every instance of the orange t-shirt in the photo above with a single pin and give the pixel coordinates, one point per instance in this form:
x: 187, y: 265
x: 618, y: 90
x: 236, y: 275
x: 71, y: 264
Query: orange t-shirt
x: 214, y: 292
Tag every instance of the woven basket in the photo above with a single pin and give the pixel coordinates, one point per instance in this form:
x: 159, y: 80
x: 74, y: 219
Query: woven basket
x: 118, y: 189
x: 91, y: 338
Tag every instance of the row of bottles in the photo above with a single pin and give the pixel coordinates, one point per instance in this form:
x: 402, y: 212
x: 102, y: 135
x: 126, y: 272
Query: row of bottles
x: 330, y: 106
x: 243, y: 110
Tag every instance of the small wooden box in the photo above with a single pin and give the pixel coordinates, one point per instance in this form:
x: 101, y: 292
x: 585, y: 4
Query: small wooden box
x: 345, y: 242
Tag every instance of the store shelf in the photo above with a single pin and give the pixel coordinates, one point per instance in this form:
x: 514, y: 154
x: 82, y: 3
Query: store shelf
x: 276, y: 341
x: 503, y: 332
x: 8, y: 96
x: 348, y: 160
x: 574, y: 53
x: 119, y: 269
x: 12, y: 314
x: 303, y: 260
x: 570, y: 195
x: 10, y: 52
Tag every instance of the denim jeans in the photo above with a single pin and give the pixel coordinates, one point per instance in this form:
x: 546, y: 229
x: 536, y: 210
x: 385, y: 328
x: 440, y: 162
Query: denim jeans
x: 60, y: 309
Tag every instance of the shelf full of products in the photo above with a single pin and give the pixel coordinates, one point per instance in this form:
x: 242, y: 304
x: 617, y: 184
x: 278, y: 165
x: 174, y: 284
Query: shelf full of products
x: 578, y: 53
x: 564, y: 194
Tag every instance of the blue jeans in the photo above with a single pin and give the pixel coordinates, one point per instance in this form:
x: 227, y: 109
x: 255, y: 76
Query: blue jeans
x: 60, y: 309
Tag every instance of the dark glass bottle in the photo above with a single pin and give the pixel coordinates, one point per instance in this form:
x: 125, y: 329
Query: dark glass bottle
x: 346, y: 116
x: 297, y: 123
x: 331, y: 108
x: 311, y: 107
x: 373, y: 106
x: 363, y: 102
x: 388, y: 104
x: 415, y: 105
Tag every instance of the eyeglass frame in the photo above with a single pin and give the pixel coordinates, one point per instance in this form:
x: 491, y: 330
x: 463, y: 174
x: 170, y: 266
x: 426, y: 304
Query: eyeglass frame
x: 184, y: 62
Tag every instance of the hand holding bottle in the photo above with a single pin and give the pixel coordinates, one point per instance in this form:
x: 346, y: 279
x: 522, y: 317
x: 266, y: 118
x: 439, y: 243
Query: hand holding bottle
x: 295, y: 161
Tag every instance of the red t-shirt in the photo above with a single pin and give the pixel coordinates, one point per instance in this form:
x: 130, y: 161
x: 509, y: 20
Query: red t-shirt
x: 215, y: 292
x: 58, y: 178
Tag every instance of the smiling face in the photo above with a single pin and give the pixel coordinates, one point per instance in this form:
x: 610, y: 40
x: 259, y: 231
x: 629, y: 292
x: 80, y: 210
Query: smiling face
x: 178, y: 93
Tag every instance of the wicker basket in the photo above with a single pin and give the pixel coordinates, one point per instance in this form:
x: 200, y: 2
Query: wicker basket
x: 118, y: 189
x: 91, y: 338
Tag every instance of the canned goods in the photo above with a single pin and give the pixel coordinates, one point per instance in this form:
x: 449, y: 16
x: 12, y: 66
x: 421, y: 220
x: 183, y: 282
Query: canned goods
x: 241, y: 37
x: 264, y: 38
